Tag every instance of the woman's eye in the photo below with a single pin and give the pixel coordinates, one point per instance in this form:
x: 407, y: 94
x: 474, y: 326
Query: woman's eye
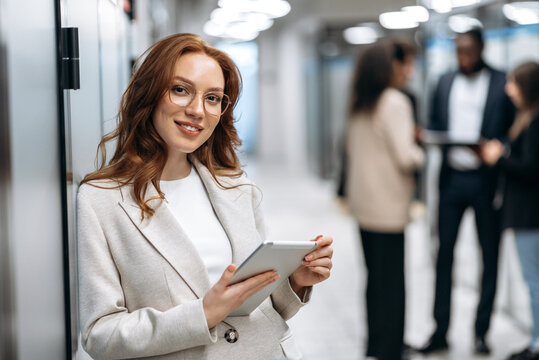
x: 180, y: 90
x: 213, y: 98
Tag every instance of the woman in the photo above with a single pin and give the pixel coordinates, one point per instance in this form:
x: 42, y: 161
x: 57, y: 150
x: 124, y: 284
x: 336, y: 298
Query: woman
x: 520, y: 164
x: 161, y: 223
x: 382, y: 159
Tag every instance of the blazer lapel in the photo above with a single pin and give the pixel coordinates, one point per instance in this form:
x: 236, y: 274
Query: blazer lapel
x: 493, y: 87
x: 445, y: 94
x: 166, y: 235
x: 234, y: 211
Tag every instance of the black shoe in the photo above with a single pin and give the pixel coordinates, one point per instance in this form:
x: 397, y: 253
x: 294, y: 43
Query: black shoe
x: 435, y: 344
x: 481, y: 347
x: 526, y: 354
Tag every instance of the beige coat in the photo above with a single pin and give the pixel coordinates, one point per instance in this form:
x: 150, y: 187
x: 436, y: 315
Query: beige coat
x: 382, y: 157
x: 141, y: 283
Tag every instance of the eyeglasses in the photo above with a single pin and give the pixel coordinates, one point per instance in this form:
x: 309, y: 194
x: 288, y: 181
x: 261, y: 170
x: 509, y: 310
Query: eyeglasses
x: 215, y: 103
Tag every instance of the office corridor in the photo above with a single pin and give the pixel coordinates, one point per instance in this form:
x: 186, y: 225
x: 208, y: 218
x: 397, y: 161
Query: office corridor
x: 333, y: 326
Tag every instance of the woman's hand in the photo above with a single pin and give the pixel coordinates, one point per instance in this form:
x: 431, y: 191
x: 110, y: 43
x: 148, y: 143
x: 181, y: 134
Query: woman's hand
x: 316, y: 266
x: 491, y: 151
x: 419, y: 134
x: 224, y: 298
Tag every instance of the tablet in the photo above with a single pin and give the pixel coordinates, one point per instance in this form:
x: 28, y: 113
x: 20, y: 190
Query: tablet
x: 434, y: 137
x: 282, y: 256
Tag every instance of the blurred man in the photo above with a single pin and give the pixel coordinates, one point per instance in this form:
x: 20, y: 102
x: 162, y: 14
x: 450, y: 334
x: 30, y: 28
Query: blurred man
x: 471, y: 102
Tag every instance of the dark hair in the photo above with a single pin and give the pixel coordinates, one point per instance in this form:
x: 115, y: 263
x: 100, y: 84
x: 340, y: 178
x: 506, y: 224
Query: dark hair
x: 403, y: 49
x: 141, y: 153
x: 527, y: 79
x: 476, y: 33
x: 373, y: 75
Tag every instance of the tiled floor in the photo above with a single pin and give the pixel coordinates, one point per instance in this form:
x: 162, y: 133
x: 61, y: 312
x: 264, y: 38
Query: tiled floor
x: 332, y: 326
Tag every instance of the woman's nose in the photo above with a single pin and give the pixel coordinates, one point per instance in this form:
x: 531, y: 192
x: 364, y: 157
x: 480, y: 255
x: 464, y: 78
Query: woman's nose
x: 196, y: 107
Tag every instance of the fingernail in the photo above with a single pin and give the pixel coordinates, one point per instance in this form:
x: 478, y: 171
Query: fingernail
x: 308, y: 258
x: 230, y: 268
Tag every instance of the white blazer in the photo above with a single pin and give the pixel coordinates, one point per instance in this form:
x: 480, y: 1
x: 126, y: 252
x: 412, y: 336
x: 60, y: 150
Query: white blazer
x: 141, y: 282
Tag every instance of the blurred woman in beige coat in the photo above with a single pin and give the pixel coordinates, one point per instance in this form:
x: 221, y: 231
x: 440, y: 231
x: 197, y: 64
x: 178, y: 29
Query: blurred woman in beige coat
x: 382, y: 157
x: 161, y: 225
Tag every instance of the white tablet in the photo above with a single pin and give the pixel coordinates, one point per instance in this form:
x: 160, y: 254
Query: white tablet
x: 282, y: 256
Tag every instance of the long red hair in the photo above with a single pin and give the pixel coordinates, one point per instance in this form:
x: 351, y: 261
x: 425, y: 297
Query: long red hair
x: 141, y: 153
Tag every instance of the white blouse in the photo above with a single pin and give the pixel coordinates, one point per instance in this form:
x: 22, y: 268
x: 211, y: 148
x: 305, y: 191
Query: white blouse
x: 189, y: 202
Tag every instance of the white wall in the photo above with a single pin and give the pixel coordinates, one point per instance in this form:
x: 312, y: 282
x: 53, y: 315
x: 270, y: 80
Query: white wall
x: 282, y: 130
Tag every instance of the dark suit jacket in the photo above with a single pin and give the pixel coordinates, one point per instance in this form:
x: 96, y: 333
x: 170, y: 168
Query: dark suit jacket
x: 497, y: 116
x: 521, y: 169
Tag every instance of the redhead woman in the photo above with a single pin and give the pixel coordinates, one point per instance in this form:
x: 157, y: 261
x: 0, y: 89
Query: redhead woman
x: 161, y: 225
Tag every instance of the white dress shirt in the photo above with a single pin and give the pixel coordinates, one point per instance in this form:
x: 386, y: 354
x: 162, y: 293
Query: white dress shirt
x: 189, y: 202
x: 466, y: 107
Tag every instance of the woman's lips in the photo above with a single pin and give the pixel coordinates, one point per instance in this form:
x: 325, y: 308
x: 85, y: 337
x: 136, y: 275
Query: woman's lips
x: 188, y: 128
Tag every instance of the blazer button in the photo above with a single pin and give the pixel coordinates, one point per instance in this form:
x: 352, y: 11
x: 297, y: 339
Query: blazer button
x: 231, y: 336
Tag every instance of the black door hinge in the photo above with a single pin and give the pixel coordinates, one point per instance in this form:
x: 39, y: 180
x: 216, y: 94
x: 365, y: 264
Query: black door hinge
x: 70, y: 58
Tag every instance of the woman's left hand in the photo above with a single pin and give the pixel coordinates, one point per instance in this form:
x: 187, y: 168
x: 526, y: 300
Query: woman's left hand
x: 316, y: 266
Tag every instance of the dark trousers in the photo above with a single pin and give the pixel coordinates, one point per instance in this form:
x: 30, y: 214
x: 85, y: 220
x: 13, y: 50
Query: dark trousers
x: 384, y: 256
x: 462, y: 190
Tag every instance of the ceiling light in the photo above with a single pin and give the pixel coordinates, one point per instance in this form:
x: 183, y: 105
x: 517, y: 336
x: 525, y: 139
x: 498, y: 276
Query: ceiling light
x: 224, y: 16
x: 260, y: 21
x: 213, y: 29
x: 397, y: 20
x: 243, y: 31
x: 360, y: 35
x: 418, y: 13
x: 463, y: 23
x: 272, y: 8
x: 523, y: 13
x: 441, y: 6
x: 461, y: 3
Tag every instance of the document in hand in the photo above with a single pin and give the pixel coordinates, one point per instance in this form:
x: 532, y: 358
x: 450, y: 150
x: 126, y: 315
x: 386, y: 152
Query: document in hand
x: 432, y: 137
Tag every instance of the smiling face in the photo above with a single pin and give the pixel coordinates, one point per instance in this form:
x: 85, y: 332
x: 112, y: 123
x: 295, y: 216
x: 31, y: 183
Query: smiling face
x: 185, y: 128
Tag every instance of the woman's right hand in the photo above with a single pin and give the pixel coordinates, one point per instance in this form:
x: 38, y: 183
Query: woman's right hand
x: 224, y: 298
x: 491, y: 151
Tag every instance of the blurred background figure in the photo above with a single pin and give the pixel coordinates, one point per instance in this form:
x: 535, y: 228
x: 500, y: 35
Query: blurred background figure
x: 382, y: 156
x: 403, y: 65
x: 519, y: 163
x: 469, y: 102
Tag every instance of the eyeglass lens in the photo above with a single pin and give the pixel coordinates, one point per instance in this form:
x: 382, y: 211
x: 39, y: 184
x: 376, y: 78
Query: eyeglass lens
x: 215, y: 103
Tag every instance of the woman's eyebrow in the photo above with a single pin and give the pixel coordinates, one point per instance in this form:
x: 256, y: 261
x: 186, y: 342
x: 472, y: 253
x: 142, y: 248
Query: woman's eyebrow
x: 181, y: 78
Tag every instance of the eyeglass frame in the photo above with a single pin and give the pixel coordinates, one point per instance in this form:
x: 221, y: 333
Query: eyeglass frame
x: 224, y: 97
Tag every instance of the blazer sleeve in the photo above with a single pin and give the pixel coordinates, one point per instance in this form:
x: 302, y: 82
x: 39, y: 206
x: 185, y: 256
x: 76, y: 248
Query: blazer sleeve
x: 285, y: 300
x: 109, y: 330
x: 525, y: 167
x: 398, y: 125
